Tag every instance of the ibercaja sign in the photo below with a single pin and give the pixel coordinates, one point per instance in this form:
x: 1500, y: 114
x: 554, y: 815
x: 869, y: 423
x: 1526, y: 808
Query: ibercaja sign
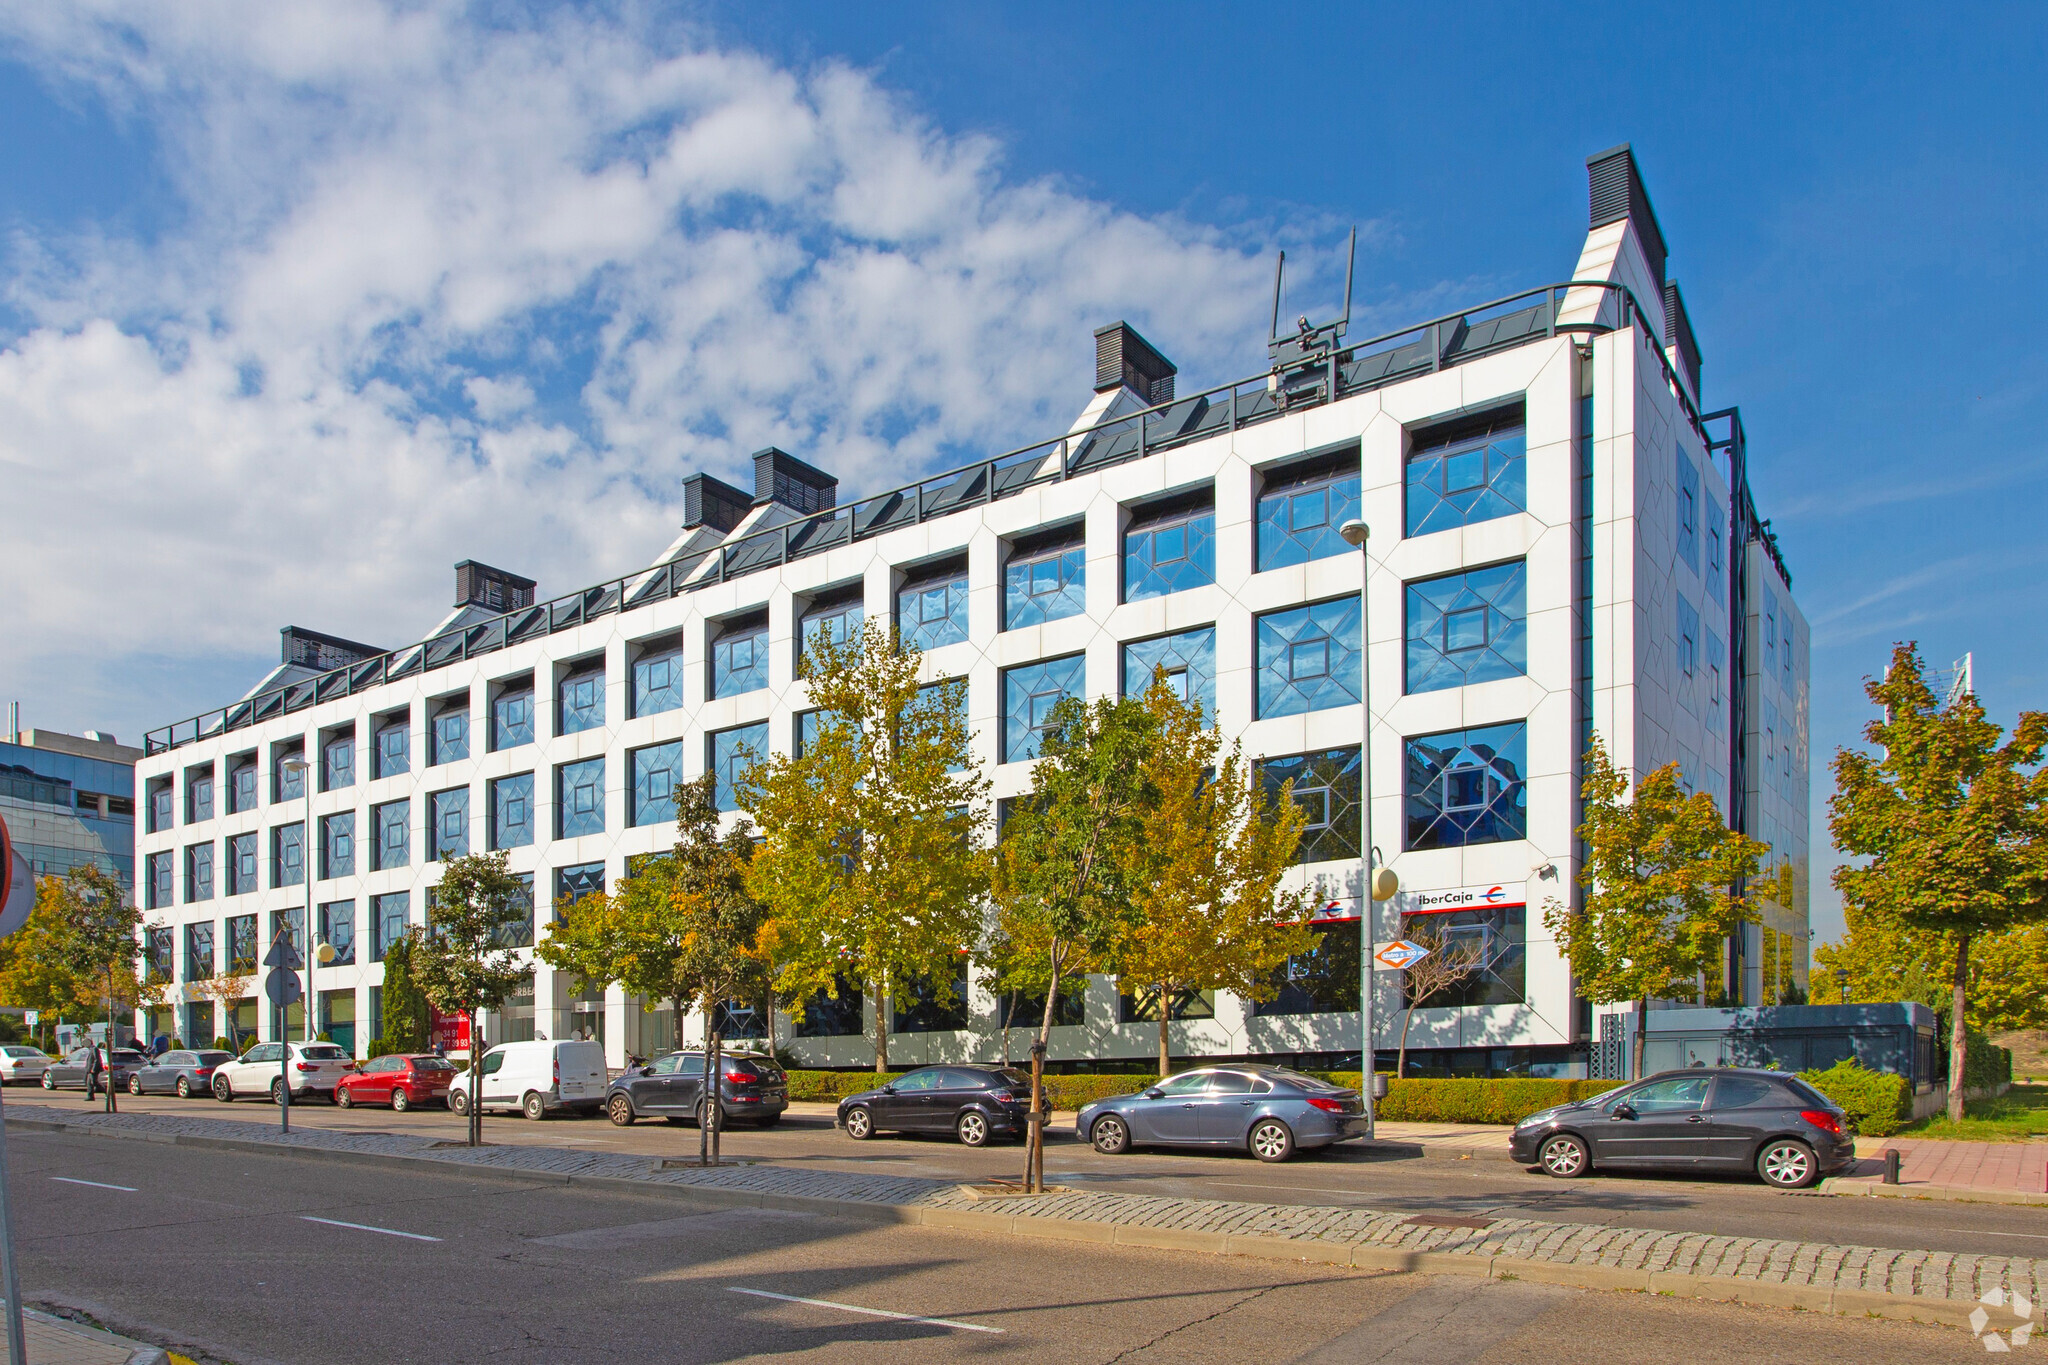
x: 1465, y: 898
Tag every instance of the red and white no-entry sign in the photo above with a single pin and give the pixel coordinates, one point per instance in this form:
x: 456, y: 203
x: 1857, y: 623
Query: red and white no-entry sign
x: 17, y: 885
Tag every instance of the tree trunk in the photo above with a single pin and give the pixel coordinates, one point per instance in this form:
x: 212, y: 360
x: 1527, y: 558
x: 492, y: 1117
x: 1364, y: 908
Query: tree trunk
x: 882, y: 1011
x: 1034, y: 1128
x: 714, y: 1110
x: 113, y: 1105
x: 1642, y: 1037
x: 1165, y: 1015
x: 1958, y: 1031
x: 703, y: 1090
x: 1401, y: 1058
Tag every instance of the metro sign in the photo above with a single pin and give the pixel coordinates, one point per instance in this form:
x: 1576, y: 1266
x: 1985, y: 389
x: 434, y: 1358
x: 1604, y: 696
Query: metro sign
x: 1465, y: 898
x: 1400, y: 955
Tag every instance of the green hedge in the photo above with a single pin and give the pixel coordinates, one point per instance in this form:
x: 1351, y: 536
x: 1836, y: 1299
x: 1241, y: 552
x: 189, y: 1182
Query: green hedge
x: 1879, y: 1102
x: 1065, y: 1092
x: 1988, y: 1065
x: 1507, y: 1099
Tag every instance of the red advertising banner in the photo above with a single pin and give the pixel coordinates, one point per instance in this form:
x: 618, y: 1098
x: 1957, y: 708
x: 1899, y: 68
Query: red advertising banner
x: 448, y: 1032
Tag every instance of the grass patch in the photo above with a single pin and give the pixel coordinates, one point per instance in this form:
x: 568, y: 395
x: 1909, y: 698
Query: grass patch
x: 2017, y: 1115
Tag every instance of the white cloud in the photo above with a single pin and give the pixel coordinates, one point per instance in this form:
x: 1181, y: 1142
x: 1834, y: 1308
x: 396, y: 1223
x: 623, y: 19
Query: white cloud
x: 446, y: 291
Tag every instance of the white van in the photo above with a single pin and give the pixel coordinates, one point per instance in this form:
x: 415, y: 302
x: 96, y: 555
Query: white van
x: 537, y: 1077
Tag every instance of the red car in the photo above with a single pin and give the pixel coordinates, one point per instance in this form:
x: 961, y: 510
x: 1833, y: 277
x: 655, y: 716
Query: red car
x: 400, y: 1081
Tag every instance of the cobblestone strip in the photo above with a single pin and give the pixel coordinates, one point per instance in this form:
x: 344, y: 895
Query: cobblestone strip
x: 1918, y: 1274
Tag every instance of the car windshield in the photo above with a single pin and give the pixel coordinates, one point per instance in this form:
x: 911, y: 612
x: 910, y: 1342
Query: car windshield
x: 323, y: 1052
x: 432, y: 1064
x: 1299, y: 1078
x: 1807, y: 1093
x: 1015, y: 1079
x: 122, y: 1054
x: 213, y: 1058
x: 23, y: 1052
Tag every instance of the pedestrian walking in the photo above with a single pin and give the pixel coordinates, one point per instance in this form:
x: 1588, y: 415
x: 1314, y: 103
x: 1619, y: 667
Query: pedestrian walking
x: 92, y: 1071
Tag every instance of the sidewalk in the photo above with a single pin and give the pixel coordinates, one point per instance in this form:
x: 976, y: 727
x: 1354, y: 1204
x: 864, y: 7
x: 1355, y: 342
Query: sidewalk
x: 1986, y: 1172
x: 57, y: 1341
x: 1927, y: 1286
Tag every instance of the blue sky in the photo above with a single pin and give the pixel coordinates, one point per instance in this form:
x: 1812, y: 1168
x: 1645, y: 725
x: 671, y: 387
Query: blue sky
x: 298, y: 307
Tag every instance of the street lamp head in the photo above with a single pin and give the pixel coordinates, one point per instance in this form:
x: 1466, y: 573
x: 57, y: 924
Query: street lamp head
x: 1354, y: 532
x: 295, y: 765
x: 325, y: 954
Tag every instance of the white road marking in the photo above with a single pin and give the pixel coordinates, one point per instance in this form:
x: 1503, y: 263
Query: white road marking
x: 1301, y: 1189
x: 96, y: 1184
x: 1984, y: 1232
x: 871, y: 1312
x: 365, y: 1227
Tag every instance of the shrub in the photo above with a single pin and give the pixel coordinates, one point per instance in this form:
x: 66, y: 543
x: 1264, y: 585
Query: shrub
x: 1988, y: 1066
x: 383, y: 1047
x: 831, y: 1087
x: 1503, y: 1099
x: 1878, y: 1102
x: 222, y: 1045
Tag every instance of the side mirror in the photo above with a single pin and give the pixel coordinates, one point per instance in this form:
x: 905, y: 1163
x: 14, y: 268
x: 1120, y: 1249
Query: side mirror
x: 888, y: 1090
x: 1624, y: 1111
x: 1154, y: 1094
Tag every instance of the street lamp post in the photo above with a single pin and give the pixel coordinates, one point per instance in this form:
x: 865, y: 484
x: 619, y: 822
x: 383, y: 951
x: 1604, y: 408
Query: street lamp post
x: 295, y: 765
x: 1355, y: 533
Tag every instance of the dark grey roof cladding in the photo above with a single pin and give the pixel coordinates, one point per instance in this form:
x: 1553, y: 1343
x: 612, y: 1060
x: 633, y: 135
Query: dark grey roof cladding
x: 713, y: 502
x: 312, y: 649
x: 1615, y: 187
x: 1123, y: 359
x: 1678, y: 329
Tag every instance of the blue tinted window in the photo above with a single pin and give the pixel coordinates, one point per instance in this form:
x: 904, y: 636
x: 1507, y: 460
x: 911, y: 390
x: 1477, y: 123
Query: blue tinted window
x: 1687, y: 628
x: 337, y: 763
x: 390, y: 822
x: 512, y: 719
x: 1309, y: 658
x: 572, y: 884
x: 448, y: 824
x: 931, y: 615
x: 739, y: 661
x: 1298, y: 522
x: 1029, y: 695
x: 157, y: 876
x: 1044, y: 587
x: 1169, y: 556
x: 1326, y: 788
x: 1473, y: 478
x: 657, y: 771
x: 1717, y: 565
x: 242, y: 786
x: 1467, y: 628
x: 199, y: 959
x: 1466, y: 787
x: 242, y: 947
x: 1188, y: 660
x: 198, y: 795
x: 162, y: 805
x: 582, y: 701
x: 512, y: 811
x: 338, y: 927
x: 241, y: 864
x: 288, y: 855
x: 836, y: 623
x: 732, y: 753
x: 199, y: 872
x: 936, y: 695
x: 388, y: 918
x: 658, y: 682
x: 579, y: 797
x: 808, y: 725
x: 338, y: 845
x: 290, y: 782
x: 393, y: 754
x: 1687, y: 511
x: 449, y: 740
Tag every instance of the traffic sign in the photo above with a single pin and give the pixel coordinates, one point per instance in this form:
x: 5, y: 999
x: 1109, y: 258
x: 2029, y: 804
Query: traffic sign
x: 1400, y: 955
x: 17, y: 885
x: 282, y: 954
x: 281, y: 986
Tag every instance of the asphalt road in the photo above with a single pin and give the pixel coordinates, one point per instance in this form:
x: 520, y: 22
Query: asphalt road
x: 1389, y: 1176
x: 253, y: 1258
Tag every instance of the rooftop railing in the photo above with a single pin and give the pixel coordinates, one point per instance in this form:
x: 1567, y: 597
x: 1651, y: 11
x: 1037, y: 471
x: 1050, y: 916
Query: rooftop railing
x: 1293, y: 385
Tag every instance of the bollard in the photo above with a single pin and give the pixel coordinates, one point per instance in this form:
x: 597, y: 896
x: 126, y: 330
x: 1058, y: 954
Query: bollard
x: 1891, y: 1165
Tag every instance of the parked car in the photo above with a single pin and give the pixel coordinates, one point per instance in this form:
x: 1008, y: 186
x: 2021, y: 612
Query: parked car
x: 20, y: 1062
x: 68, y: 1072
x: 538, y: 1077
x: 184, y: 1074
x: 400, y: 1080
x: 315, y: 1068
x: 974, y: 1103
x: 1695, y: 1120
x: 1268, y: 1110
x: 672, y: 1088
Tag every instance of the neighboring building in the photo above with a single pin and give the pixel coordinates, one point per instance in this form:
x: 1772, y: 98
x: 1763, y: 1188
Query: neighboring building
x: 70, y: 800
x: 1563, y: 544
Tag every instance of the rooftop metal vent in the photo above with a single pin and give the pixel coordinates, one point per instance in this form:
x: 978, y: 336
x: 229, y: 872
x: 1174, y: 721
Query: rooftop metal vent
x: 1678, y: 327
x: 714, y: 503
x: 1123, y: 359
x: 321, y: 653
x: 1616, y: 192
x: 480, y: 585
x: 781, y: 477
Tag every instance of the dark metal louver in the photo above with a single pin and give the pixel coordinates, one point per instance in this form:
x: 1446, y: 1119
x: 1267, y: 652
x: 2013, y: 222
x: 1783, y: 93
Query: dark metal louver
x: 713, y: 502
x: 1678, y: 331
x: 1615, y: 187
x: 1123, y: 359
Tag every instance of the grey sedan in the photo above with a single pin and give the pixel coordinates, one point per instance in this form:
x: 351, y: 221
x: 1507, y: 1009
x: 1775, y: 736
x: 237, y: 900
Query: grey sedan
x: 1268, y: 1110
x: 183, y: 1074
x: 117, y: 1066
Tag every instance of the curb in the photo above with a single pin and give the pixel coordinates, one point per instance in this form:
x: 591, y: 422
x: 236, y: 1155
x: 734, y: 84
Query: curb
x: 139, y: 1352
x: 1952, y: 1194
x: 1715, y: 1288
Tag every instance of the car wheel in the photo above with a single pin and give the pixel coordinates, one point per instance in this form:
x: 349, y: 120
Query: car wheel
x: 1271, y: 1140
x: 400, y: 1101
x: 1564, y: 1156
x: 223, y: 1090
x: 135, y: 1085
x: 184, y: 1087
x: 1787, y: 1164
x: 533, y: 1106
x: 620, y: 1111
x: 49, y: 1081
x: 701, y: 1116
x: 1110, y: 1135
x: 972, y: 1129
x: 458, y: 1100
x: 277, y: 1092
x: 344, y: 1100
x: 860, y: 1124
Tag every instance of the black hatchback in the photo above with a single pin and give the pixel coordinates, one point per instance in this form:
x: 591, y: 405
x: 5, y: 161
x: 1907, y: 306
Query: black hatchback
x: 974, y: 1103
x: 1695, y: 1120
x: 672, y: 1088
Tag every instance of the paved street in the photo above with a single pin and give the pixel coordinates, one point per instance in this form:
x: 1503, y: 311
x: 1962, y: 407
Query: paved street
x: 1393, y: 1178
x: 254, y: 1257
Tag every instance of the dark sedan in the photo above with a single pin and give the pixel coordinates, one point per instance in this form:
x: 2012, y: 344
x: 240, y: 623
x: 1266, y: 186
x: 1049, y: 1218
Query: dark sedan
x: 68, y: 1071
x: 973, y: 1103
x: 1268, y: 1110
x: 1697, y: 1120
x: 183, y: 1074
x: 672, y: 1087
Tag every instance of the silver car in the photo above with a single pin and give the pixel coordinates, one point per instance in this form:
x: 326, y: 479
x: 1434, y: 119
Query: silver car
x: 1268, y: 1110
x: 20, y: 1062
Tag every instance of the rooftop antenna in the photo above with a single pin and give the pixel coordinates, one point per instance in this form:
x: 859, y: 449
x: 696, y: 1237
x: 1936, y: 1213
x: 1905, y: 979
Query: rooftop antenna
x: 1279, y: 271
x: 1350, y: 266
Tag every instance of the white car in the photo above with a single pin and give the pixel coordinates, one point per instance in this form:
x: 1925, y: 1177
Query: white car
x: 315, y: 1069
x: 537, y: 1077
x: 19, y: 1062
